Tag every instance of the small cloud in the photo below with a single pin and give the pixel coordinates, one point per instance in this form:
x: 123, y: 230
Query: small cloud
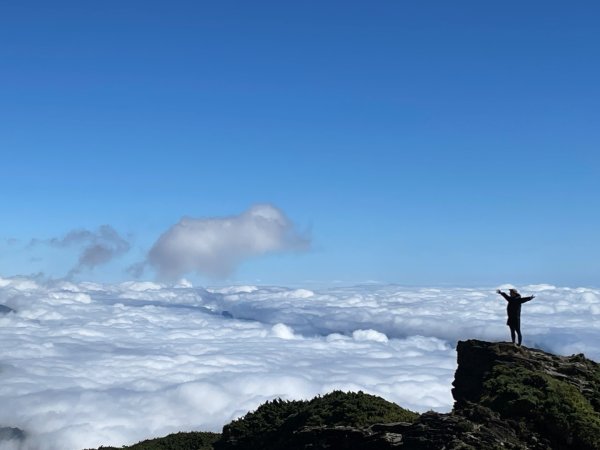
x: 369, y: 335
x: 282, y: 331
x: 95, y: 247
x: 216, y: 246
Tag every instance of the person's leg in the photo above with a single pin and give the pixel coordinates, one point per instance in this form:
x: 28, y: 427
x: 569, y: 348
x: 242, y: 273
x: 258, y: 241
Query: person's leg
x: 518, y: 330
x: 512, y: 334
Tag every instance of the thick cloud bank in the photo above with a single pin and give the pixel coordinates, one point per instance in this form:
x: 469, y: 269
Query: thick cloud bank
x: 88, y: 364
x: 215, y: 246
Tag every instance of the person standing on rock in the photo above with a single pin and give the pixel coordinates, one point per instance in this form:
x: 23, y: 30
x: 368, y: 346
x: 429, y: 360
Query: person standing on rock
x: 513, y: 309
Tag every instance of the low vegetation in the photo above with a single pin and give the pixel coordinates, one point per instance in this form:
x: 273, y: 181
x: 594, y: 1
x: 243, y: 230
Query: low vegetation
x: 272, y: 424
x: 557, y: 409
x: 176, y: 441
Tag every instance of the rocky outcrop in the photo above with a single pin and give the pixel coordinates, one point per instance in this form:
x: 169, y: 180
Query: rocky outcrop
x: 555, y: 399
x: 477, y: 428
x: 479, y: 362
x: 431, y: 431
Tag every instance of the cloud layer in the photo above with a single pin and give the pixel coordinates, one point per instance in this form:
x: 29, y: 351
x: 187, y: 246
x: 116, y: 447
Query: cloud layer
x: 88, y: 364
x: 215, y: 246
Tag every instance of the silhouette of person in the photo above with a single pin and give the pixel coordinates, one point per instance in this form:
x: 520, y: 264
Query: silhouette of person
x: 513, y: 309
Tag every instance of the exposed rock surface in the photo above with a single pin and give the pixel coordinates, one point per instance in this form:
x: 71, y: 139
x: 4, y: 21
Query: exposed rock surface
x: 477, y: 361
x: 555, y: 398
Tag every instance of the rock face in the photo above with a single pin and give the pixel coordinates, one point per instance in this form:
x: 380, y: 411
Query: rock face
x: 506, y: 397
x: 555, y: 399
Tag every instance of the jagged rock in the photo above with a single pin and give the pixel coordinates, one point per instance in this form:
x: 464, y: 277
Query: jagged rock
x: 555, y: 398
x: 431, y: 431
x: 477, y: 359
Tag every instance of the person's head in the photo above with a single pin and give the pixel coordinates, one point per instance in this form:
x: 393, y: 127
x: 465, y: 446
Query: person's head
x: 513, y: 292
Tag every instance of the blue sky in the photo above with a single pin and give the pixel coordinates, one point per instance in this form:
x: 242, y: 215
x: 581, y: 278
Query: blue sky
x: 416, y: 143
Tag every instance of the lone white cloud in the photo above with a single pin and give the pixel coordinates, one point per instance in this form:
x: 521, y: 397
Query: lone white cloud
x: 215, y: 246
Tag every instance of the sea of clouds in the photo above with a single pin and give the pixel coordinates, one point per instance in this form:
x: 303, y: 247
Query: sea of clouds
x: 88, y: 364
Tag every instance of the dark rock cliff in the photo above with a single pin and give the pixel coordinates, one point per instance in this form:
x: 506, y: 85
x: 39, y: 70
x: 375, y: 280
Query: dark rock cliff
x: 554, y: 399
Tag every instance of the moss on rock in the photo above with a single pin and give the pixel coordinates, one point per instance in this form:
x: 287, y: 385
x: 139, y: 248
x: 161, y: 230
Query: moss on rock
x: 557, y: 409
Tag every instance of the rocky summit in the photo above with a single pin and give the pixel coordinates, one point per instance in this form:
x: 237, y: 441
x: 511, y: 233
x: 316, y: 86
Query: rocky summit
x: 506, y: 397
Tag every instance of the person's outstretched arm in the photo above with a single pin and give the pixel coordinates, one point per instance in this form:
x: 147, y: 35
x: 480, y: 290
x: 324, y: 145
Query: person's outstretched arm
x: 526, y: 299
x: 502, y: 294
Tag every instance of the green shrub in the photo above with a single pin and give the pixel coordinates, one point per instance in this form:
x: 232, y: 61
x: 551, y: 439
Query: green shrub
x: 176, y: 441
x: 555, y: 408
x: 272, y: 424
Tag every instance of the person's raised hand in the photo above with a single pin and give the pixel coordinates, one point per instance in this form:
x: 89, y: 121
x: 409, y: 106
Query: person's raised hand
x: 498, y: 291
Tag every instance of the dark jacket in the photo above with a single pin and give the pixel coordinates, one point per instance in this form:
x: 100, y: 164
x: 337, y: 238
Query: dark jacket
x: 513, y: 309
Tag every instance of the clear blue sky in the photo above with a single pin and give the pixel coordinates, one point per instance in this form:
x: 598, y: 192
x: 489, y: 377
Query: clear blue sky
x: 419, y: 142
